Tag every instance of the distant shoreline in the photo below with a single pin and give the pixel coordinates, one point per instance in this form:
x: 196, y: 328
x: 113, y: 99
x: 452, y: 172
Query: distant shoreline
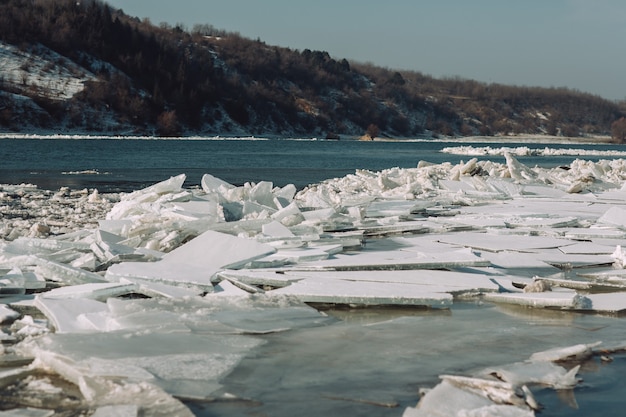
x: 537, y: 139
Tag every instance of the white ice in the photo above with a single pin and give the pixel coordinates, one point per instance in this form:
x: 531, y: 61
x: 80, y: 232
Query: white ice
x: 161, y: 296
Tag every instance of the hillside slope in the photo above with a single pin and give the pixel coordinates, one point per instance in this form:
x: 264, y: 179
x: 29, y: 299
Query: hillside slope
x: 83, y: 67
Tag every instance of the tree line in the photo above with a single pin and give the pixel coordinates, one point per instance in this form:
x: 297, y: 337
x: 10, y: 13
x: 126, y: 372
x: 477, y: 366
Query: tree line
x: 177, y: 81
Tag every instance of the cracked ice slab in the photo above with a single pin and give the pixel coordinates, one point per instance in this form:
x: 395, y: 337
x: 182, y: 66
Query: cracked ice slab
x: 610, y: 303
x: 497, y: 242
x: 66, y: 314
x: 452, y: 282
x: 195, y: 262
x: 397, y: 260
x: 502, y: 390
x: 336, y: 291
x: 180, y: 363
x: 94, y: 291
x: 567, y: 300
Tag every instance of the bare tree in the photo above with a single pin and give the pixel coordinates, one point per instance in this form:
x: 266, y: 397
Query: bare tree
x: 618, y: 130
x: 372, y: 131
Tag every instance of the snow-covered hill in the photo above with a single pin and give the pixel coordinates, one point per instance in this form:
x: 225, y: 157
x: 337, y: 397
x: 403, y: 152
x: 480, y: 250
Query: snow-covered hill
x: 83, y: 67
x: 40, y: 71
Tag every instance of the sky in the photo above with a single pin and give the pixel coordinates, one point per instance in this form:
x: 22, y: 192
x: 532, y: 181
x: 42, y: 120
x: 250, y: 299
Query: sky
x: 578, y: 44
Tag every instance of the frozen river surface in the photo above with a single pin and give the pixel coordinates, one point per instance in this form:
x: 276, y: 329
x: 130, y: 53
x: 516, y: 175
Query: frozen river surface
x: 484, y: 287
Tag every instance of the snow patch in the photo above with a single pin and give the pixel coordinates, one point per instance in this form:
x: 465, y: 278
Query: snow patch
x: 42, y: 72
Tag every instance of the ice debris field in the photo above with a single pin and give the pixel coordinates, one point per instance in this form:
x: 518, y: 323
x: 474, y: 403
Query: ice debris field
x: 128, y: 304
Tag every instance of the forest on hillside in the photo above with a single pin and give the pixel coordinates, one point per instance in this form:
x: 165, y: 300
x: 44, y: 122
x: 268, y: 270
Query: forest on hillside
x: 173, y: 80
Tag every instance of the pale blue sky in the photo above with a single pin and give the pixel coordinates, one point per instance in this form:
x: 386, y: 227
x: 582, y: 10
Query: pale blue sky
x: 579, y: 44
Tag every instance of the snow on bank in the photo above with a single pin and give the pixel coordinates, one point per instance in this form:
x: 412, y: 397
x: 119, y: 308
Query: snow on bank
x: 154, y: 295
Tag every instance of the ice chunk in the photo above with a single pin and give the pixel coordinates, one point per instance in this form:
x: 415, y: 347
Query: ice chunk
x: 276, y: 229
x: 496, y: 391
x: 497, y: 243
x: 261, y: 193
x: 290, y: 256
x: 171, y: 185
x: 55, y: 271
x: 397, y: 260
x: 570, y: 300
x: 614, y: 216
x: 211, y: 184
x: 155, y: 289
x: 536, y: 372
x: 285, y: 194
x: 386, y: 208
x: 576, y: 284
x: 567, y: 261
x: 260, y: 277
x: 218, y: 251
x: 518, y: 171
x: 109, y: 248
x: 227, y: 289
x: 13, y: 282
x: 448, y: 399
x: 181, y: 363
x: 118, y: 227
x: 26, y: 246
x: 161, y: 272
x: 7, y: 315
x: 576, y: 352
x: 541, y: 222
x: 588, y: 248
x: 289, y: 215
x: 396, y: 228
x: 595, y: 233
x: 451, y: 282
x: 195, y: 262
x: 337, y: 291
x: 620, y: 257
x: 65, y: 314
x: 94, y: 291
x: 516, y: 260
x: 613, y: 303
x: 198, y: 209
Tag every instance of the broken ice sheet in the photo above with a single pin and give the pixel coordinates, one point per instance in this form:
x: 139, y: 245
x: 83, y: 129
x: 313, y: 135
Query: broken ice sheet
x: 375, y: 269
x: 563, y: 299
x: 253, y: 314
x: 65, y: 314
x: 397, y: 260
x: 95, y: 291
x: 183, y: 363
x: 611, y: 303
x: 448, y: 399
x: 506, y: 385
x: 535, y: 372
x: 452, y: 282
x: 336, y: 291
x: 498, y: 243
x: 7, y: 315
x: 195, y: 262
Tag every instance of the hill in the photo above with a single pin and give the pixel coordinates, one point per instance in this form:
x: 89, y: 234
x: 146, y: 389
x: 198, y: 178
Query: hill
x: 84, y: 67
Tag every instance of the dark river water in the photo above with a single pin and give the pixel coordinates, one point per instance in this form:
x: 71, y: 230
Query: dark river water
x: 129, y: 164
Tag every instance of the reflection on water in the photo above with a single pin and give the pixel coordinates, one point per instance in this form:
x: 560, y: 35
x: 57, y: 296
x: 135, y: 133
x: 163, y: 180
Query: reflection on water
x: 380, y: 314
x: 374, y: 361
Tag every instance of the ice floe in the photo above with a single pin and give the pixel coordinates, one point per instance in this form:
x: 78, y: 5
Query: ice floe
x: 163, y: 291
